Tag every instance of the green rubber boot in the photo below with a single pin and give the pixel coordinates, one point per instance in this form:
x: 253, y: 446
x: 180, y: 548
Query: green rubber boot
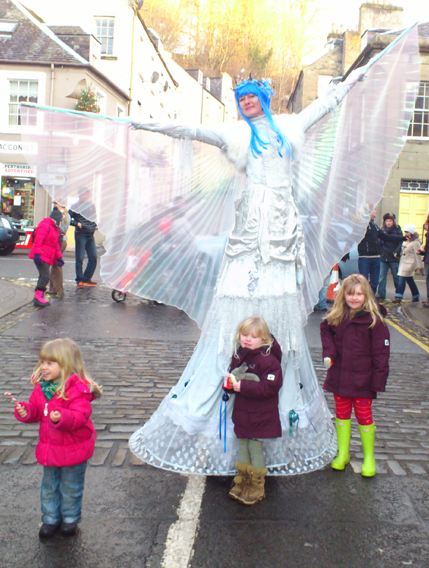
x: 344, y: 428
x: 367, y: 436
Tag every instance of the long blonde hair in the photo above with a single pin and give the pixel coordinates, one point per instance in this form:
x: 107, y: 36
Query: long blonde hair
x: 66, y: 353
x: 340, y: 308
x: 259, y: 327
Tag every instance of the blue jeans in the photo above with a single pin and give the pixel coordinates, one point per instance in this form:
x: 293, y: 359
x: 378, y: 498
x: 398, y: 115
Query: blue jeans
x: 402, y: 280
x: 61, y: 493
x: 384, y: 269
x: 85, y: 243
x: 322, y: 304
x: 369, y: 267
x: 427, y: 282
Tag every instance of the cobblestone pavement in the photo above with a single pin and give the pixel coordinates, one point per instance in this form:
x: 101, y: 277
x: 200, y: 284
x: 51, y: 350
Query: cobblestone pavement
x: 137, y: 373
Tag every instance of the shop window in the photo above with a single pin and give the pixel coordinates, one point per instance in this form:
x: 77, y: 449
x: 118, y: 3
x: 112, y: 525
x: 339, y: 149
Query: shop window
x: 21, y: 91
x: 419, y: 125
x: 17, y: 194
x: 105, y: 34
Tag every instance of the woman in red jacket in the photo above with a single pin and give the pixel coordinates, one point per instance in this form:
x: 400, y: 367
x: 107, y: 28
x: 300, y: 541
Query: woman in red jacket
x: 45, y: 252
x: 356, y: 349
x: 256, y: 405
x: 61, y: 402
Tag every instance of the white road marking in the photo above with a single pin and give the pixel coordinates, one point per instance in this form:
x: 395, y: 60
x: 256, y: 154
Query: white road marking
x: 181, y: 534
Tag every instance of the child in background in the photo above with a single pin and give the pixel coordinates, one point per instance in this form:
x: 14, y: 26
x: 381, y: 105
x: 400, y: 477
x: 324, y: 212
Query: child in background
x: 62, y: 219
x: 356, y: 349
x: 45, y: 253
x: 61, y: 402
x: 256, y: 406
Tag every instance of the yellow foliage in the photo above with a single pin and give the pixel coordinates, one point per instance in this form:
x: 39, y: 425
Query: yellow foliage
x: 263, y: 37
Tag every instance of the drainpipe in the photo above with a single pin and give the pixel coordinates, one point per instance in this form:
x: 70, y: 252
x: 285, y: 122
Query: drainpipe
x: 132, y: 60
x: 51, y: 97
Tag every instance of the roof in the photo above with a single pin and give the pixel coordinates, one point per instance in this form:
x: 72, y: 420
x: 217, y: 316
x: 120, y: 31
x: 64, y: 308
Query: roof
x: 68, y: 30
x: 32, y: 40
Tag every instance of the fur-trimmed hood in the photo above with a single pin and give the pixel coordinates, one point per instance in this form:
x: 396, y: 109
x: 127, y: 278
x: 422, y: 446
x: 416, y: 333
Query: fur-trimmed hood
x: 237, y: 137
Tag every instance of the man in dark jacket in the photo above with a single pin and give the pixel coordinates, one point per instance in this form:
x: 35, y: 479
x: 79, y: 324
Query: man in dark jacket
x: 82, y: 211
x: 391, y: 239
x: 369, y: 253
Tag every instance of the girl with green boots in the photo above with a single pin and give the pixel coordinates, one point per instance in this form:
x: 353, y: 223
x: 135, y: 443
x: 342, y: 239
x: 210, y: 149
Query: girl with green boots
x: 356, y: 349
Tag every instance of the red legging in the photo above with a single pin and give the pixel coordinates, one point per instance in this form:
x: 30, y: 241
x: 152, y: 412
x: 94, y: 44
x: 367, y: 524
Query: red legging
x: 362, y: 406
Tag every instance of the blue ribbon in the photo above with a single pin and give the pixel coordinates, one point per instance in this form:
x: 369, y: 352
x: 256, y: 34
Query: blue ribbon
x: 225, y: 399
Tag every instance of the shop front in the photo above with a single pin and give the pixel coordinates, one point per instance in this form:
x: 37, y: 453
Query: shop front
x: 17, y: 196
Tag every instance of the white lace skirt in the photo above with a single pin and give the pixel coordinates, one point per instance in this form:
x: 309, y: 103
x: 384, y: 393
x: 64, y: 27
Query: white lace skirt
x: 188, y: 433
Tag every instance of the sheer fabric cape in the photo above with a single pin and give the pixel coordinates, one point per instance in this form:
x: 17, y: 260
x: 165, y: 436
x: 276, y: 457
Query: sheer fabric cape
x: 165, y: 204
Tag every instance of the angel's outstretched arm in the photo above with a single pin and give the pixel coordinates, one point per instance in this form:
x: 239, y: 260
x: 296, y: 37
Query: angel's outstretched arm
x: 205, y: 134
x: 330, y: 100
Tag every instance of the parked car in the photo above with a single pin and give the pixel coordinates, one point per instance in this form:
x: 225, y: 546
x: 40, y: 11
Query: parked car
x: 11, y: 232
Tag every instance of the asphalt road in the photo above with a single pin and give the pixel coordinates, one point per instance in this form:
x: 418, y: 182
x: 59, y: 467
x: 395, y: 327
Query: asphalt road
x: 137, y: 516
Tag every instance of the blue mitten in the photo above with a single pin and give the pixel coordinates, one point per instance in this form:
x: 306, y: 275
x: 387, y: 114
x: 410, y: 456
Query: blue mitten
x: 38, y: 259
x: 60, y: 262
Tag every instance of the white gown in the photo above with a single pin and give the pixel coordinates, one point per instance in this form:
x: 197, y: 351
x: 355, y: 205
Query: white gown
x: 258, y: 277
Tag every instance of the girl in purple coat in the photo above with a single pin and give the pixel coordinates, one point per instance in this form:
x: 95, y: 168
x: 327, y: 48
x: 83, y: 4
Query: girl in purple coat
x: 61, y: 402
x: 356, y: 349
x: 256, y: 363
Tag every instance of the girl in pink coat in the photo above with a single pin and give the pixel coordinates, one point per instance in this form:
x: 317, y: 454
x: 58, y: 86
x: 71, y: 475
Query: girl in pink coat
x: 61, y: 402
x: 45, y: 252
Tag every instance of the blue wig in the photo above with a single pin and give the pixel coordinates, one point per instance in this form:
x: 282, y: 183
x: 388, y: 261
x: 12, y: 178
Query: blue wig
x: 264, y: 93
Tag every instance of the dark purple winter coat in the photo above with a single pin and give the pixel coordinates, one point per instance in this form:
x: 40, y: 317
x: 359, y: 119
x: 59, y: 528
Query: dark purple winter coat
x: 360, y: 356
x: 256, y: 406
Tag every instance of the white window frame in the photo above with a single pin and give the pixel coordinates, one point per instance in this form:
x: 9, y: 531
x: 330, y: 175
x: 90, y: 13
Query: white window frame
x: 420, y: 118
x: 21, y: 84
x: 120, y: 111
x: 6, y: 76
x: 108, y: 40
x: 101, y: 100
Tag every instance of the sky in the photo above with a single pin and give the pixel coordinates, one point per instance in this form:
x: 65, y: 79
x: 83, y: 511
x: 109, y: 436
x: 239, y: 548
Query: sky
x: 346, y: 13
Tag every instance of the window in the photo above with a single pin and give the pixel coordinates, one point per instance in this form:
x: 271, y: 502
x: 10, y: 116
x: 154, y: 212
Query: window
x: 414, y: 185
x: 21, y: 92
x: 105, y: 31
x: 323, y: 84
x: 419, y: 125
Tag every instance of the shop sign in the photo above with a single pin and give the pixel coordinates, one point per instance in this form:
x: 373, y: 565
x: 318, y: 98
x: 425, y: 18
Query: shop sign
x: 16, y: 169
x: 11, y: 147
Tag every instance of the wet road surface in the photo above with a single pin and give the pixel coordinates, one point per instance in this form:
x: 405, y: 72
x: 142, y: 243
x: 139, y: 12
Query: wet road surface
x: 324, y: 519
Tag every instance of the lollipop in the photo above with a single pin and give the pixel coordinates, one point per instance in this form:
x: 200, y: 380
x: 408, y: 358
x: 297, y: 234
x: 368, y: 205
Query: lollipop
x: 12, y: 398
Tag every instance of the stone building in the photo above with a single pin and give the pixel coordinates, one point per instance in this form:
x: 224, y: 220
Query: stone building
x: 407, y: 189
x: 37, y: 66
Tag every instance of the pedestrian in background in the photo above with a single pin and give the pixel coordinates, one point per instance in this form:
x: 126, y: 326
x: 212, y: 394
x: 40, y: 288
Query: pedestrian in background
x: 369, y: 253
x: 356, y: 349
x: 62, y: 219
x: 84, y: 237
x: 256, y: 406
x: 61, y: 402
x: 424, y: 252
x: 408, y: 264
x: 45, y: 252
x: 391, y: 239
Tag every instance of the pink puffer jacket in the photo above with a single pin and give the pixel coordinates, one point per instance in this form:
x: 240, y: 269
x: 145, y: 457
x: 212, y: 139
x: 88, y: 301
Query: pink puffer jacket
x: 71, y: 440
x: 47, y: 241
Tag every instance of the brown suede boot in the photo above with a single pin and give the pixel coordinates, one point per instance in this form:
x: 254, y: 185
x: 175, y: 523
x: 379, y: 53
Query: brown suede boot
x: 240, y: 480
x: 255, y: 488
